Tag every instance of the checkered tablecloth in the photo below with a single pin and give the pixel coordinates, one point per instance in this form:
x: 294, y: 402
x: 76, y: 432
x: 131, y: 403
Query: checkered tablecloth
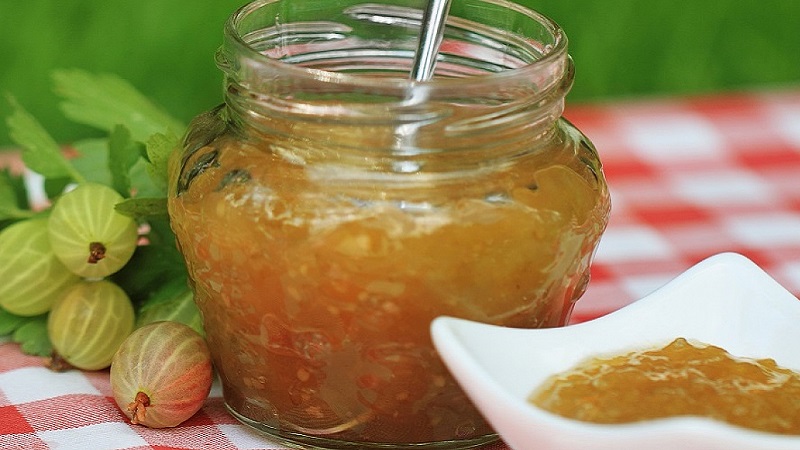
x: 689, y: 177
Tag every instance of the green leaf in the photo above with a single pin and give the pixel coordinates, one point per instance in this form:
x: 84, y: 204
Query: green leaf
x: 40, y: 152
x: 10, y: 322
x: 53, y: 187
x: 123, y: 153
x: 17, y: 183
x: 142, y: 184
x: 149, y: 268
x: 174, y: 301
x: 104, y: 101
x: 32, y: 336
x: 30, y: 332
x: 11, y: 206
x: 161, y: 234
x: 159, y: 148
x: 92, y: 160
x: 143, y: 208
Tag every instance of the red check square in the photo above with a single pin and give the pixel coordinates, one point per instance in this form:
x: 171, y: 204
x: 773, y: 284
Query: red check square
x: 13, y: 421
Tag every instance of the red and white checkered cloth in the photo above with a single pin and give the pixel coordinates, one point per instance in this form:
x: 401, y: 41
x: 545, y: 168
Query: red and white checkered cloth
x: 689, y: 178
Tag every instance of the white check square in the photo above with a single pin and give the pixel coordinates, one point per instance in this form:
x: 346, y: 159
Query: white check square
x: 673, y: 137
x: 103, y: 436
x: 787, y: 120
x: 632, y: 243
x: 765, y: 230
x: 30, y: 384
x: 722, y: 187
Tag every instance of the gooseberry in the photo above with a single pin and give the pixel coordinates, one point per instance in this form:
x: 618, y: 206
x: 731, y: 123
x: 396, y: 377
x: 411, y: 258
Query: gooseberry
x: 89, y: 323
x: 32, y: 277
x: 88, y: 235
x: 162, y: 374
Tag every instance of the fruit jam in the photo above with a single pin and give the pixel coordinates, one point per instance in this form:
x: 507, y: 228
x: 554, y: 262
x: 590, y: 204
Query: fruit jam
x: 680, y: 379
x: 325, y: 221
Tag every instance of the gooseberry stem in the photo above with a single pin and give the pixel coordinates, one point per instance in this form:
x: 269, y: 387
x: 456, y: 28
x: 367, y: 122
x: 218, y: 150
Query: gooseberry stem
x: 57, y: 363
x: 97, y: 251
x: 138, y: 407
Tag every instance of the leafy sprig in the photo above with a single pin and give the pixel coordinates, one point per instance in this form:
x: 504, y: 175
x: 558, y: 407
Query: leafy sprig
x: 132, y: 159
x: 104, y: 101
x: 40, y: 152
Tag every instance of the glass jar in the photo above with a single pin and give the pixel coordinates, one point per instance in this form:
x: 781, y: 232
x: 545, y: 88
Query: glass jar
x: 331, y: 208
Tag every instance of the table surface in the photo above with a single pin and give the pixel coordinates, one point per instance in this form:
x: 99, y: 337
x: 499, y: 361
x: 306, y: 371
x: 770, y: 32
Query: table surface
x: 689, y: 178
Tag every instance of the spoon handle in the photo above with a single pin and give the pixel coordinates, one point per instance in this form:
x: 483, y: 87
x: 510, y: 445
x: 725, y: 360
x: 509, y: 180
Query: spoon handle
x: 431, y: 32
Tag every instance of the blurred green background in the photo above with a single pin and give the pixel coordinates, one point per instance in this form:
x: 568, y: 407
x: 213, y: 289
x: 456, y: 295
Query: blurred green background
x: 622, y: 48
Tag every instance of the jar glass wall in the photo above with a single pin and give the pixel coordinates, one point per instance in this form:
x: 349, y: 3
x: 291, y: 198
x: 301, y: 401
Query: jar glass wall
x: 331, y: 208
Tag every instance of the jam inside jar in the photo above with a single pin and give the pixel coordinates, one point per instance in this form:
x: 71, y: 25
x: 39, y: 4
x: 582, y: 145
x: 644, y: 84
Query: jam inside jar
x: 331, y: 208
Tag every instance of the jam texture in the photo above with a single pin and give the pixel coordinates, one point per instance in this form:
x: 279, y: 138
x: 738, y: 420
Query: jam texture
x: 679, y: 379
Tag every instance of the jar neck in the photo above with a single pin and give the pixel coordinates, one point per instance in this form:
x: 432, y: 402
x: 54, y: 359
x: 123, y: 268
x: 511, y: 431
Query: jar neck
x: 337, y: 72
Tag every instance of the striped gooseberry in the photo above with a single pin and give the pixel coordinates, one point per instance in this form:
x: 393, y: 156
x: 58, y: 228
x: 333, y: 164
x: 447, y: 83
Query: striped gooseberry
x: 32, y: 277
x: 88, y: 324
x: 162, y: 374
x: 88, y: 235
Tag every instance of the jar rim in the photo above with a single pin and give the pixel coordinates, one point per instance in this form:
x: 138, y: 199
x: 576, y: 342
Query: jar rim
x: 554, y: 54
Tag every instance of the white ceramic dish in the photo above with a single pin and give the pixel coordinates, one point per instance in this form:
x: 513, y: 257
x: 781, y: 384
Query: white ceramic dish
x: 725, y: 300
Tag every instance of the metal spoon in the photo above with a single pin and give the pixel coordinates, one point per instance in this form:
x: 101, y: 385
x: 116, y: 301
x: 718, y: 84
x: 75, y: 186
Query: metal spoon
x: 430, y: 39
